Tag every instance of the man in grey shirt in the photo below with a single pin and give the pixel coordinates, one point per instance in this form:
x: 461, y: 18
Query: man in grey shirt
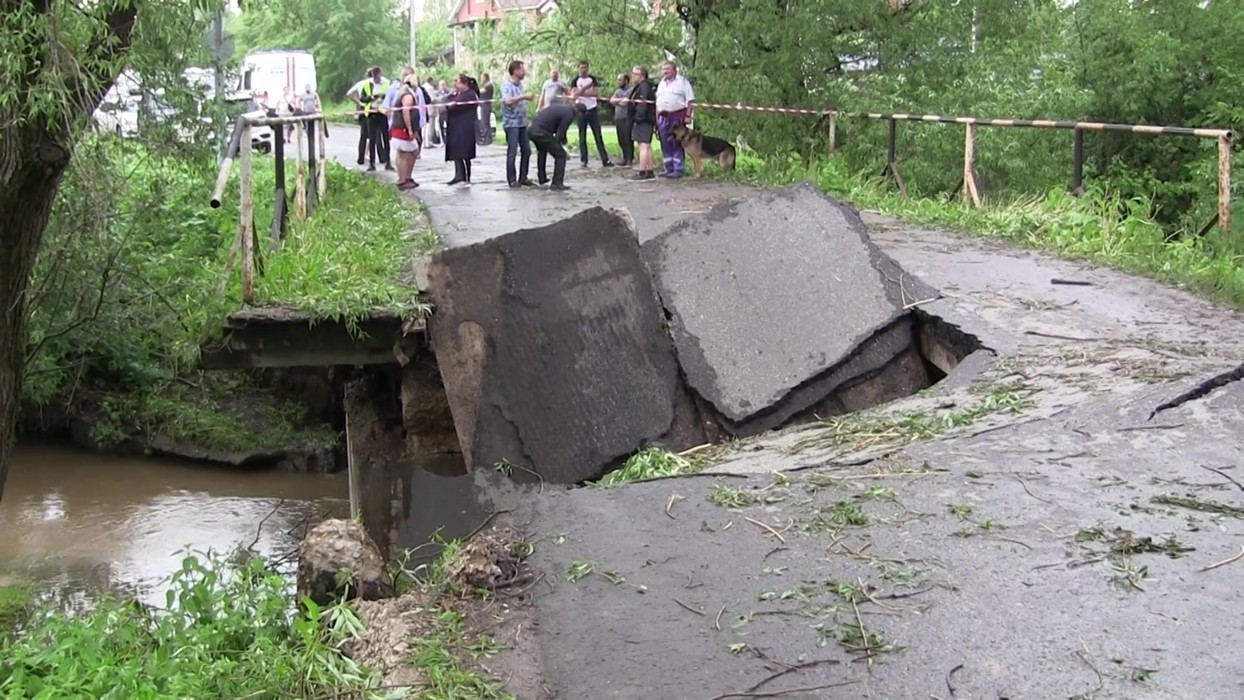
x: 552, y: 91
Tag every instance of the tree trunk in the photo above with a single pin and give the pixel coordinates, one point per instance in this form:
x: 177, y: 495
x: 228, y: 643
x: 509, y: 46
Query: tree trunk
x: 31, y: 166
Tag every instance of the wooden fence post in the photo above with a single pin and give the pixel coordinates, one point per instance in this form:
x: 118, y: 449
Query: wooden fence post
x: 970, y: 191
x: 1224, y: 184
x: 300, y: 177
x: 321, y: 177
x: 833, y: 134
x: 246, y: 214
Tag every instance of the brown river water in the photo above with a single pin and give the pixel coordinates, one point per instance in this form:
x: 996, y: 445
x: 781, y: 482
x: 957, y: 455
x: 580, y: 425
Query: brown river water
x: 79, y: 523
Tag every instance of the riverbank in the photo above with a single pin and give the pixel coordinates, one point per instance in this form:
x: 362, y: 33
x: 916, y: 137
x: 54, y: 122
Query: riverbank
x: 128, y: 288
x: 239, y: 632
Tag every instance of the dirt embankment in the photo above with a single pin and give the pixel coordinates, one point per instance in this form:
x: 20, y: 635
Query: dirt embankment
x: 289, y: 419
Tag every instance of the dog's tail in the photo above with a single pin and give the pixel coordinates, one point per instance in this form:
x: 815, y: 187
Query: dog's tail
x: 726, y: 159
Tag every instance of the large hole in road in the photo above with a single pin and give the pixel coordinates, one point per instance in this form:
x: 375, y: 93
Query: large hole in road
x: 936, y: 349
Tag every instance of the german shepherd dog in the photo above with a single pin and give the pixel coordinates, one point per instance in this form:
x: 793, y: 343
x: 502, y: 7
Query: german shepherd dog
x: 700, y: 146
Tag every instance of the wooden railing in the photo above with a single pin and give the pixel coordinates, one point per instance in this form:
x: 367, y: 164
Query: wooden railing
x: 310, y: 184
x: 971, y: 190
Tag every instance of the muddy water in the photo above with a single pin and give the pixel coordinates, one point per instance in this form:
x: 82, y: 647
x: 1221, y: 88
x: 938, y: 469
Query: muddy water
x: 80, y: 523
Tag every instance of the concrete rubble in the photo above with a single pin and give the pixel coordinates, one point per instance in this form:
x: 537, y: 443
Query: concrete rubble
x: 566, y: 348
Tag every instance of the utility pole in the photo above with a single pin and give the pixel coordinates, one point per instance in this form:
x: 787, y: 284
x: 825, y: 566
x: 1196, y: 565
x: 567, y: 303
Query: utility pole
x: 218, y: 45
x: 416, y: 9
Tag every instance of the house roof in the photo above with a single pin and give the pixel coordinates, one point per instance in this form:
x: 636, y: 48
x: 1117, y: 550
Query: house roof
x: 510, y: 5
x: 505, y: 6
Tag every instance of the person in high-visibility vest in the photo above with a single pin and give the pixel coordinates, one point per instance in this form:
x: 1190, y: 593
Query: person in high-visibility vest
x: 368, y: 95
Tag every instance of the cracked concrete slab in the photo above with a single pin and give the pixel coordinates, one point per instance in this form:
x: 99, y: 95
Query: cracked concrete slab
x: 767, y: 293
x: 553, y: 350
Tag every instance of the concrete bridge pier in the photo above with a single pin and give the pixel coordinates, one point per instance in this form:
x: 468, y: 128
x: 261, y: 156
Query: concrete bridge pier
x: 408, y: 481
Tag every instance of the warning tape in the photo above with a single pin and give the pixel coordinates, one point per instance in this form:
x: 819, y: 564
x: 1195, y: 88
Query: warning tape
x: 740, y: 107
x: 694, y: 105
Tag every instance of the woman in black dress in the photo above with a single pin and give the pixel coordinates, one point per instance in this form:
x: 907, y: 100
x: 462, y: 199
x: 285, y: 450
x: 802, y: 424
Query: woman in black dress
x: 463, y: 115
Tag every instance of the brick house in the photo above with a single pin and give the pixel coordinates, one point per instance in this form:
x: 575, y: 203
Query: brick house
x: 468, y: 15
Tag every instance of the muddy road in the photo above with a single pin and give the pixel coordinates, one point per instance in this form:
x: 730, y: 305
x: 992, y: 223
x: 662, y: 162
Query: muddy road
x: 1023, y: 529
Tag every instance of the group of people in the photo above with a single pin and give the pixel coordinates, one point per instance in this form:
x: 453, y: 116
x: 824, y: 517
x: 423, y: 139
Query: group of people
x: 640, y: 110
x: 403, y: 117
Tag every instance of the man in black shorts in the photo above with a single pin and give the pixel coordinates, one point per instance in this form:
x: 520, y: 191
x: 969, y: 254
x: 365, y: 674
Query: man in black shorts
x: 643, y: 120
x: 548, y: 135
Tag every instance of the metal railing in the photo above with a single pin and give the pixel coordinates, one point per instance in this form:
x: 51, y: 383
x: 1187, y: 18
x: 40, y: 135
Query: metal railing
x: 310, y: 184
x: 968, y: 184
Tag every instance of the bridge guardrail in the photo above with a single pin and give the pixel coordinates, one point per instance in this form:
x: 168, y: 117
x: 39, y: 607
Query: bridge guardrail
x: 310, y: 184
x: 968, y: 184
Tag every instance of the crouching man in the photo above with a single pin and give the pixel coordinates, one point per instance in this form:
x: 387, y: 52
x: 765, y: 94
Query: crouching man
x: 548, y: 135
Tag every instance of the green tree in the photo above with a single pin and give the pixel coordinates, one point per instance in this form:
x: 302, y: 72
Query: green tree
x: 345, y: 36
x: 59, y: 59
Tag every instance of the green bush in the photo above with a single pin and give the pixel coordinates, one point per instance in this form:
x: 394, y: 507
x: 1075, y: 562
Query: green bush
x: 226, y: 631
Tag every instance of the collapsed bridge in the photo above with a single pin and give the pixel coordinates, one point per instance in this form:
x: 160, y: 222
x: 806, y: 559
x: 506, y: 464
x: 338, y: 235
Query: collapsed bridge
x: 566, y: 348
x: 558, y: 351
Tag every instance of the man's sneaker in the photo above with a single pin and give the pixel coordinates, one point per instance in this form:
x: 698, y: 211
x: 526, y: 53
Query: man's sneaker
x: 371, y: 168
x: 526, y: 183
x: 643, y: 175
x: 673, y: 175
x: 514, y: 185
x: 388, y: 166
x: 558, y: 188
x: 543, y: 182
x: 361, y: 161
x: 607, y: 164
x: 584, y: 165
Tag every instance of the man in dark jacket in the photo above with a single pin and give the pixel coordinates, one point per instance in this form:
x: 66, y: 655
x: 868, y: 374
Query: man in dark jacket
x: 548, y: 135
x: 643, y: 120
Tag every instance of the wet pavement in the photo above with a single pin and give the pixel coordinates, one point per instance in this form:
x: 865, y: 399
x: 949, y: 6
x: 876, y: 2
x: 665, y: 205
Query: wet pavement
x: 464, y: 214
x: 1021, y: 530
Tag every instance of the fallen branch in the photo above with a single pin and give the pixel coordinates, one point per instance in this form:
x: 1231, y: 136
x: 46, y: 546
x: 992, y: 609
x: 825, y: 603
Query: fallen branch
x: 790, y: 668
x: 1055, y: 336
x: 767, y: 528
x: 259, y: 528
x: 788, y: 691
x: 688, y: 607
x: 1224, y: 562
x: 674, y: 498
x: 949, y: 674
x: 1224, y: 475
x: 1029, y: 492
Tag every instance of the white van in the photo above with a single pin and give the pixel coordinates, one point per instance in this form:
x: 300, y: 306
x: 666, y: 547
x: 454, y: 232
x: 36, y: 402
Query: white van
x: 266, y: 74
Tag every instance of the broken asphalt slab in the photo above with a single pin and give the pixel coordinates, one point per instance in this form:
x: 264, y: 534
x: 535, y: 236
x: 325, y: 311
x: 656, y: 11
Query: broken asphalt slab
x: 1027, y: 534
x: 769, y: 294
x: 553, y: 349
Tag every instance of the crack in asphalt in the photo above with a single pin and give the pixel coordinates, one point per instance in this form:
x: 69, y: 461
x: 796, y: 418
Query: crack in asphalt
x: 1201, y: 389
